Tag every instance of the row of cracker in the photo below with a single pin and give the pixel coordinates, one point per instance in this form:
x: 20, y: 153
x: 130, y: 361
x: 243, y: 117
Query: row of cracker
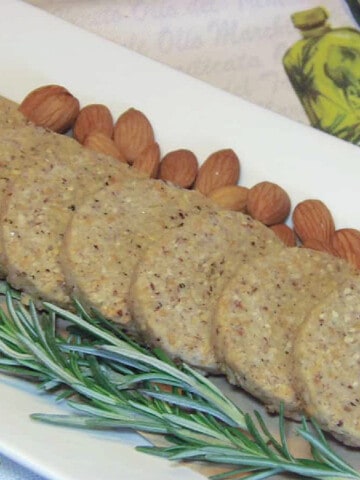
x: 213, y: 288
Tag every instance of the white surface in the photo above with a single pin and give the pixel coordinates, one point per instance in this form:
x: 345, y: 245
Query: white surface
x: 70, y: 454
x: 37, y: 49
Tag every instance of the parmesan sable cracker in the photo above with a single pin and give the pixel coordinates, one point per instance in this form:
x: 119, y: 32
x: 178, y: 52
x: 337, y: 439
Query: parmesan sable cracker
x: 44, y: 178
x: 180, y: 277
x: 327, y: 367
x: 258, y: 315
x: 108, y: 233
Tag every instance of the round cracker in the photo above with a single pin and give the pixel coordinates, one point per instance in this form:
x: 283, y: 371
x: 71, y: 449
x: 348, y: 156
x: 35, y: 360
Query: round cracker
x: 29, y: 152
x: 327, y: 368
x: 38, y: 204
x: 108, y: 233
x: 257, y: 317
x: 23, y: 148
x: 179, y: 279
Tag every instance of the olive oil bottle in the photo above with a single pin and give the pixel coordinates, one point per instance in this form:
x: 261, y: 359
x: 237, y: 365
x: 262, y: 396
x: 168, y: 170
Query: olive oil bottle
x: 324, y: 70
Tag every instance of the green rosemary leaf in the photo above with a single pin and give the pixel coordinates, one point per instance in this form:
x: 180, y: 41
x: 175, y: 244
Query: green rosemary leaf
x: 17, y: 371
x: 332, y: 458
x: 64, y: 393
x: 49, y: 385
x: 240, y: 439
x: 161, y: 355
x: 184, y: 402
x: 26, y: 320
x: 100, y: 423
x: 190, y: 424
x: 232, y: 474
x: 86, y: 325
x: 5, y: 288
x: 217, y: 397
x: 123, y: 413
x: 232, y: 458
x: 7, y: 350
x: 316, y: 454
x: 132, y: 380
x: 123, y: 355
x: 11, y: 308
x: 285, y: 448
x: 267, y: 433
x: 263, y: 447
x: 263, y: 474
x: 264, y: 462
x: 42, y: 356
x: 314, y: 472
x: 34, y: 319
x: 154, y: 451
x: 145, y: 407
x: 100, y: 378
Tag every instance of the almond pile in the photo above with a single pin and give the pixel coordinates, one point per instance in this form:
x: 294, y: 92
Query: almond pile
x: 131, y: 139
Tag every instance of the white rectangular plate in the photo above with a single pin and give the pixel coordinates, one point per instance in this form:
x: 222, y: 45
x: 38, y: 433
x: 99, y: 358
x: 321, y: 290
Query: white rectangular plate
x: 38, y: 49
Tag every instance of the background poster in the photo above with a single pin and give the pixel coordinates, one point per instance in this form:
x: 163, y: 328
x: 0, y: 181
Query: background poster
x: 237, y: 45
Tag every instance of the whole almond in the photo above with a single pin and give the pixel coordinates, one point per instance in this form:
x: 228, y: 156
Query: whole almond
x: 219, y: 169
x: 268, y: 203
x: 179, y: 167
x: 285, y: 234
x: 230, y: 197
x: 100, y: 142
x: 148, y: 160
x: 346, y: 243
x: 320, y: 246
x: 93, y: 118
x: 313, y: 219
x: 52, y: 107
x: 133, y: 133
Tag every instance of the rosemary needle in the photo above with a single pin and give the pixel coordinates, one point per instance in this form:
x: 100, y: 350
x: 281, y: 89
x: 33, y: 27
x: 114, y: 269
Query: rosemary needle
x: 110, y: 381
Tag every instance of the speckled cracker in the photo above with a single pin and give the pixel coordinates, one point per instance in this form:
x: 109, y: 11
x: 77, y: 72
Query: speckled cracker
x: 327, y: 351
x: 180, y: 277
x: 108, y: 233
x: 10, y: 117
x: 258, y: 314
x: 39, y: 202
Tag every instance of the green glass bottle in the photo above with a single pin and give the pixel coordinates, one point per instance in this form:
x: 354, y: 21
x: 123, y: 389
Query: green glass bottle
x: 324, y: 70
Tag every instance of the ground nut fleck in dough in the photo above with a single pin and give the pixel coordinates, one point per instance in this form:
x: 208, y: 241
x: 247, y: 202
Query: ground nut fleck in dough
x: 258, y: 314
x: 327, y: 368
x: 108, y: 234
x: 179, y: 279
x: 44, y: 177
x: 10, y: 117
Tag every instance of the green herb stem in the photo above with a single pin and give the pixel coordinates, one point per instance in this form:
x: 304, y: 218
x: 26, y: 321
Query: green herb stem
x: 110, y: 382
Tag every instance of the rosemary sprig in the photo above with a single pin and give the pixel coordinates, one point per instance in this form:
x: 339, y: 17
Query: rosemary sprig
x: 112, y: 382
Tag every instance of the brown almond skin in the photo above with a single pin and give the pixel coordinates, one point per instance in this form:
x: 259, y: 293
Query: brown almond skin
x: 230, y: 197
x: 313, y: 219
x: 133, y: 133
x: 179, y: 167
x: 268, y: 203
x: 100, y: 142
x: 284, y: 233
x: 52, y: 107
x: 320, y: 246
x: 93, y: 118
x: 346, y: 242
x: 149, y: 160
x: 221, y: 168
